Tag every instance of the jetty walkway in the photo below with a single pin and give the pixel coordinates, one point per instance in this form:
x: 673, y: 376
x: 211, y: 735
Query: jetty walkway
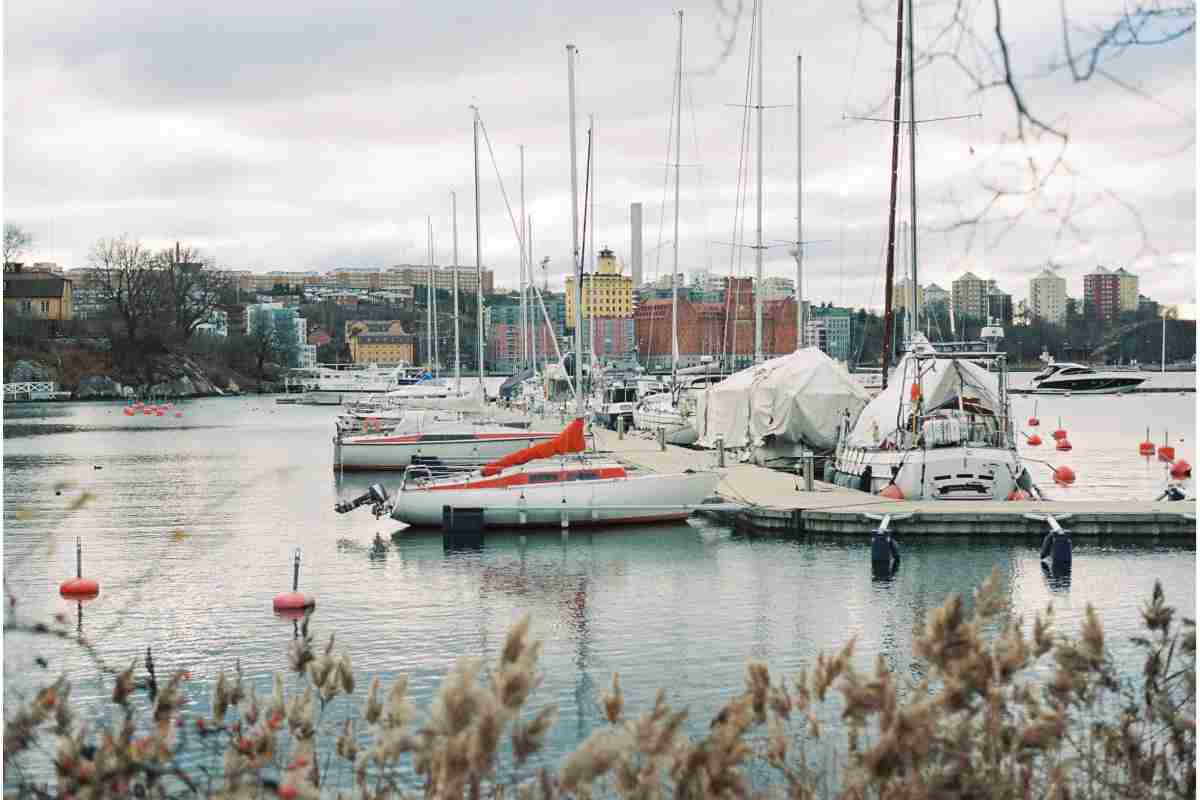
x: 762, y: 500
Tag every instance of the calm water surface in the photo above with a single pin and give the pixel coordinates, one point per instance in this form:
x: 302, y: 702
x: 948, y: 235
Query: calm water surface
x: 192, y: 521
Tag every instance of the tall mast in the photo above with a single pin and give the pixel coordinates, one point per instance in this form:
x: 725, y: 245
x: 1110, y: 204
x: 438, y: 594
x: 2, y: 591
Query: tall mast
x: 429, y: 291
x: 913, y: 311
x: 478, y: 258
x: 675, y: 239
x: 524, y: 262
x: 457, y: 351
x: 758, y: 245
x: 576, y: 263
x: 533, y: 326
x: 891, y: 249
x: 800, y: 315
x: 433, y: 275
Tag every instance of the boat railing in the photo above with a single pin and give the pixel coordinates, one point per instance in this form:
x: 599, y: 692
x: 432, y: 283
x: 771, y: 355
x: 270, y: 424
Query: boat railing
x: 419, y: 473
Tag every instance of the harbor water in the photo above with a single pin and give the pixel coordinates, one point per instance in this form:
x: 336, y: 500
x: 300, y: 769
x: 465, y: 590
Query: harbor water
x: 189, y: 525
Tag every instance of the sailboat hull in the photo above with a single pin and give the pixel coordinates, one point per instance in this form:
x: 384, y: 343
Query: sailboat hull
x: 625, y: 500
x: 387, y: 451
x: 951, y: 473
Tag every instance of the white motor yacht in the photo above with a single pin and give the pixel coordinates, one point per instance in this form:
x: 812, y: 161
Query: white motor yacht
x: 1071, y: 378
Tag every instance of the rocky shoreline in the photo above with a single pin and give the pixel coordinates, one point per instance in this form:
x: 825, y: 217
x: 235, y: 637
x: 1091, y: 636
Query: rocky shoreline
x: 173, y: 376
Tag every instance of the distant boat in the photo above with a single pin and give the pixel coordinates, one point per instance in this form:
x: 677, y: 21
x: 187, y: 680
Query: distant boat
x: 1068, y: 378
x: 553, y: 484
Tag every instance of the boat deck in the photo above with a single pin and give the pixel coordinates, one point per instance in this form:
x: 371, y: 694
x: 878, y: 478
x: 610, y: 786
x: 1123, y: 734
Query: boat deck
x: 761, y: 500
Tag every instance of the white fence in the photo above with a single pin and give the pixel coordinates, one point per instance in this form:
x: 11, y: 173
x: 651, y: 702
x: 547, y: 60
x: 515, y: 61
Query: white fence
x: 33, y: 390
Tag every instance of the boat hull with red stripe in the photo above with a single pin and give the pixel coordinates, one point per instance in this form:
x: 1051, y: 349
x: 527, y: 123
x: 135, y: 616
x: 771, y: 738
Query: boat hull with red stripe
x: 386, y: 451
x: 566, y: 492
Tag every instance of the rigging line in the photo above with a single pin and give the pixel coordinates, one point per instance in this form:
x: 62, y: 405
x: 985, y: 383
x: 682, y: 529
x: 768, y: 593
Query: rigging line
x: 845, y: 160
x: 729, y: 329
x: 700, y: 180
x: 662, y: 206
x: 503, y: 193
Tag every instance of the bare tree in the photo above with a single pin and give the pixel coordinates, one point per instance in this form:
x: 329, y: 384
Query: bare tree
x: 191, y: 287
x: 970, y: 35
x: 16, y: 241
x: 129, y: 282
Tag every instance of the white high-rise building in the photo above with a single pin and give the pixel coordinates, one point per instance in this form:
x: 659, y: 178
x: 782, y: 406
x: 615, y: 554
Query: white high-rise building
x: 1048, y: 297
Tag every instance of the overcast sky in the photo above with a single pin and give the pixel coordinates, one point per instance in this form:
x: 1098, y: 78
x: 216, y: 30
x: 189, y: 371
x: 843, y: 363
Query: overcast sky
x: 277, y: 135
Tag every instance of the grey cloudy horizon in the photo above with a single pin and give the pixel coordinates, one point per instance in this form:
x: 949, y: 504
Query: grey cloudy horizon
x: 280, y: 136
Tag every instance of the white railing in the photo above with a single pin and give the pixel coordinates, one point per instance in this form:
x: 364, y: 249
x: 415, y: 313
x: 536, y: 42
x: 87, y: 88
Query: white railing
x: 32, y: 390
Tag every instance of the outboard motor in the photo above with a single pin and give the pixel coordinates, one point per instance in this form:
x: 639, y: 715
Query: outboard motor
x: 375, y: 494
x: 1172, y: 492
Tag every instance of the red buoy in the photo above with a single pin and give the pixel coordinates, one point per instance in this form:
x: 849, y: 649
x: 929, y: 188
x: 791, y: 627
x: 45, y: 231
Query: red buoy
x: 1018, y: 494
x: 1059, y: 434
x: 1034, y: 441
x: 79, y: 588
x: 1034, y: 422
x: 178, y: 413
x: 295, y: 600
x: 1166, y: 453
x: 1063, y: 444
x: 1146, y: 448
x: 914, y: 392
x: 129, y: 412
x: 1181, y: 469
x: 290, y: 601
x: 1064, y: 476
x: 892, y: 491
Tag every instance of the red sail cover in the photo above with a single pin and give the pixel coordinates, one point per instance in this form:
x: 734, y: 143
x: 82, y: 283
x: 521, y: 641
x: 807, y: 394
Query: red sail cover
x: 569, y: 441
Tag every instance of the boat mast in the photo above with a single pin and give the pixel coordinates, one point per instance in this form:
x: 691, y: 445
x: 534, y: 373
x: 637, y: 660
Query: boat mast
x: 675, y: 239
x: 891, y: 248
x: 758, y: 245
x: 576, y: 263
x: 800, y: 315
x: 429, y: 296
x: 533, y: 326
x: 524, y: 261
x: 478, y: 257
x: 457, y: 351
x: 913, y: 310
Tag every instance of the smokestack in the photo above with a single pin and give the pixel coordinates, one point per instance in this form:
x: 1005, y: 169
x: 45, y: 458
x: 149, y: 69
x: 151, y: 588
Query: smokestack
x: 635, y: 243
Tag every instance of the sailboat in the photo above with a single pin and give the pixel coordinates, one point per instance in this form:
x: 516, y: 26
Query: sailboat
x: 942, y: 427
x: 554, y: 483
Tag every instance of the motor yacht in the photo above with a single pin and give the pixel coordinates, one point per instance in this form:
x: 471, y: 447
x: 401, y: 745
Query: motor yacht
x: 1071, y: 378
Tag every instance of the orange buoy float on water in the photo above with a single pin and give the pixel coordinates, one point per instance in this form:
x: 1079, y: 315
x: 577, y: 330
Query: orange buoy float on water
x: 79, y: 588
x: 178, y: 413
x: 295, y: 600
x: 892, y: 491
x: 1064, y: 476
x: 1146, y: 448
x: 1034, y: 441
x: 1181, y: 469
x: 1062, y: 444
x: 1166, y: 452
x: 1060, y: 433
x: 1034, y: 421
x: 1018, y: 494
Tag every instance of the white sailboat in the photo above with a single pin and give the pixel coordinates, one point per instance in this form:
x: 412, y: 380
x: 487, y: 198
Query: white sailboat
x: 942, y: 428
x: 552, y: 484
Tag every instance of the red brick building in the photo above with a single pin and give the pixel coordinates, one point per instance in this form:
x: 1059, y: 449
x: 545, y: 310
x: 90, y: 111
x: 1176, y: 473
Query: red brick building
x: 704, y: 329
x: 1102, y: 294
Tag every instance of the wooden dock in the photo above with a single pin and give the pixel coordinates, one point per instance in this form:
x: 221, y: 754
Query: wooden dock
x: 761, y: 500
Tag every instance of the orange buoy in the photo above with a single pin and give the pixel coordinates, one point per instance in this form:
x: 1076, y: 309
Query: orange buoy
x: 1064, y: 476
x: 1166, y: 453
x: 79, y: 588
x: 1034, y: 422
x: 1034, y: 441
x: 1063, y: 444
x: 1146, y: 448
x: 292, y: 601
x: 1060, y: 433
x: 892, y: 491
x: 129, y: 412
x: 914, y: 392
x: 295, y: 600
x: 1018, y: 494
x: 1181, y: 469
x: 178, y: 413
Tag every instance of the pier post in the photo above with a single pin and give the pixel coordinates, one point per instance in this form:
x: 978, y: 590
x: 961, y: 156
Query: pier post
x: 720, y: 451
x: 809, y: 468
x: 662, y: 439
x: 621, y: 427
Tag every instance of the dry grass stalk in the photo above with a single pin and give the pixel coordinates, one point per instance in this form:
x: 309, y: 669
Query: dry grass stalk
x: 982, y: 722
